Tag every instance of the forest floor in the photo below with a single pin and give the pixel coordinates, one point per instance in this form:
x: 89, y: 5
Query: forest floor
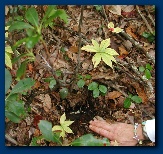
x: 80, y: 106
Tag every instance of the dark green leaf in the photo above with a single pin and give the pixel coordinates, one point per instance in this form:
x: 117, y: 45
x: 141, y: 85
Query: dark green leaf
x: 23, y: 85
x: 127, y: 103
x: 63, y: 93
x: 52, y: 83
x: 46, y: 130
x: 92, y: 86
x: 96, y: 93
x: 19, y: 25
x: 28, y: 55
x: 147, y: 74
x: 32, y: 16
x: 149, y: 36
x: 48, y: 79
x: 136, y: 99
x: 31, y: 41
x: 141, y: 69
x: 34, y: 141
x: 87, y: 77
x: 81, y: 83
x: 21, y: 70
x: 13, y: 117
x: 102, y: 88
x: 17, y: 108
x: 50, y: 10
x: 90, y: 140
x: 58, y: 73
x: 8, y: 80
x: 148, y: 66
x: 19, y: 43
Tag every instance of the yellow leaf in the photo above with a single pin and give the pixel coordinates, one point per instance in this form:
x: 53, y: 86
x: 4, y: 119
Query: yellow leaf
x: 8, y: 49
x: 111, y: 51
x: 110, y: 25
x: 67, y: 129
x: 107, y: 59
x: 89, y: 48
x: 62, y: 118
x: 95, y: 43
x: 117, y: 30
x: 8, y: 60
x: 68, y: 123
x: 57, y: 127
x: 96, y: 59
x: 104, y: 44
x: 113, y: 29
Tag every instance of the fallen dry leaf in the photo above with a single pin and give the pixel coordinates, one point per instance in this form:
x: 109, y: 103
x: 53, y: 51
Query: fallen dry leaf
x: 115, y: 9
x: 113, y: 94
x: 127, y: 8
x: 122, y: 51
x: 130, y: 32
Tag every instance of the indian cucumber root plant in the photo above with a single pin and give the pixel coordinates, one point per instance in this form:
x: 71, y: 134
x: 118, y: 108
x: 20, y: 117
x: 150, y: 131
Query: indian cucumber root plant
x: 66, y: 64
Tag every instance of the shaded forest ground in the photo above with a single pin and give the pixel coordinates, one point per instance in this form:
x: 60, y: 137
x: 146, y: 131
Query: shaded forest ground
x: 80, y: 106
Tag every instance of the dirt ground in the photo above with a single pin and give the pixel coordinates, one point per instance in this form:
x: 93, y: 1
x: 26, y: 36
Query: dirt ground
x: 80, y: 106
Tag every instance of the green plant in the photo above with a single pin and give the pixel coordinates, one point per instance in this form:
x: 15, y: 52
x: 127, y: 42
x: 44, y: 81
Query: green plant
x: 64, y: 127
x: 98, y: 7
x: 147, y: 70
x: 113, y: 29
x: 102, y: 52
x: 33, y: 28
x: 149, y: 36
x: 130, y: 99
x: 90, y: 140
x: 97, y: 89
x: 14, y: 106
x: 82, y: 79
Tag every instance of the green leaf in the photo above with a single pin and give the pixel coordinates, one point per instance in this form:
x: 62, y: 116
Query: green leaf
x: 63, y: 93
x: 150, y: 37
x: 19, y: 42
x: 34, y: 140
x: 58, y: 73
x: 92, y: 86
x: 32, y: 16
x: 90, y: 140
x: 46, y: 130
x: 102, y: 88
x: 81, y: 83
x: 141, y: 69
x: 88, y: 77
x: 13, y: 117
x: 19, y: 25
x: 21, y: 70
x: 8, y: 80
x: 23, y: 85
x: 127, y: 103
x: 31, y: 41
x: 96, y: 93
x: 62, y: 14
x: 52, y: 84
x: 148, y: 66
x: 147, y: 74
x: 136, y: 99
x: 17, y: 108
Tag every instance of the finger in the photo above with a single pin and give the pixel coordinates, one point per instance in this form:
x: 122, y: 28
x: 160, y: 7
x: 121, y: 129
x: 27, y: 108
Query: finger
x: 101, y: 124
x: 98, y: 118
x: 102, y: 132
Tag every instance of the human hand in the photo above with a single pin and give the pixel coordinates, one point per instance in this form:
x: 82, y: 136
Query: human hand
x: 118, y: 133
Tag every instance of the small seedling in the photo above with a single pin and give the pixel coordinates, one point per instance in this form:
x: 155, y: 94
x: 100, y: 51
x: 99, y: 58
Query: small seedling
x: 82, y: 79
x: 102, y: 52
x: 149, y: 36
x: 147, y: 70
x: 64, y: 127
x: 97, y: 89
x: 113, y: 29
x: 130, y: 99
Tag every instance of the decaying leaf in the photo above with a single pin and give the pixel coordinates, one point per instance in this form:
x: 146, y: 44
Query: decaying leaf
x: 113, y: 94
x: 122, y: 51
x: 127, y: 8
x: 115, y: 9
x: 129, y: 31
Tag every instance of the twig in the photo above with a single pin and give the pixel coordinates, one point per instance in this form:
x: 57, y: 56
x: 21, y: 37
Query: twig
x: 45, y: 47
x: 79, y: 47
x: 10, y: 139
x: 146, y: 22
x: 150, y: 17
